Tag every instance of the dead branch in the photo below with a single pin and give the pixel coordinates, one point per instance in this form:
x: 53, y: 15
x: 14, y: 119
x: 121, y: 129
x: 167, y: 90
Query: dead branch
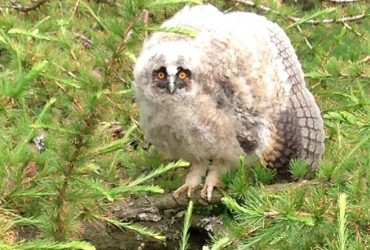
x: 133, y: 208
x: 343, y: 1
x: 136, y: 208
x: 161, y: 213
x: 331, y: 20
x: 296, y: 19
x: 25, y: 9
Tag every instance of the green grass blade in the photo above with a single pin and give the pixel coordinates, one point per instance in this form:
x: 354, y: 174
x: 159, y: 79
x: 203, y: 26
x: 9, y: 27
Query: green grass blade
x: 342, y: 232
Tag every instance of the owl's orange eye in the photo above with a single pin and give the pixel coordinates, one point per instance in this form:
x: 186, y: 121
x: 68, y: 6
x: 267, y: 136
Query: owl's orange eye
x: 161, y: 75
x: 182, y: 75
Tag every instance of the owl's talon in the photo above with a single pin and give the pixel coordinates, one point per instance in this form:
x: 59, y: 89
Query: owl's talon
x: 190, y: 191
x: 206, y: 192
x: 178, y: 191
x: 193, y: 180
x: 212, y: 181
x: 184, y: 188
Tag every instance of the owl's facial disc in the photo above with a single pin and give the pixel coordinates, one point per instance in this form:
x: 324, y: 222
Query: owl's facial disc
x: 171, y: 78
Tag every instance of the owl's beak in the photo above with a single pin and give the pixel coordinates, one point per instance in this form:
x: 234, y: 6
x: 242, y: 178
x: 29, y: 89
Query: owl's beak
x: 171, y: 84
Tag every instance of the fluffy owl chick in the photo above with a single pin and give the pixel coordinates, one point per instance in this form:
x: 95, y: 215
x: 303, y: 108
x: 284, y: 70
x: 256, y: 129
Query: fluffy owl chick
x: 234, y: 88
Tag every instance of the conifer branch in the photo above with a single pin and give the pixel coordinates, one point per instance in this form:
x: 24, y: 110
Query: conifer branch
x: 185, y: 230
x: 93, y: 14
x: 47, y: 245
x: 134, y: 227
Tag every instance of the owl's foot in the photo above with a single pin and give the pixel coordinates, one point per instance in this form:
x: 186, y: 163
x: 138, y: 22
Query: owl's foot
x: 212, y: 181
x: 193, y: 180
x: 189, y: 186
x: 183, y: 189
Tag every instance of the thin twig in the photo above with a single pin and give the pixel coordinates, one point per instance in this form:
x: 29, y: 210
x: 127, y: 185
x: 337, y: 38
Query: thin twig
x: 75, y: 8
x: 127, y: 34
x: 296, y: 19
x: 305, y: 39
x: 354, y: 31
x: 22, y: 8
x: 343, y: 1
x: 332, y: 20
x: 66, y: 71
x: 365, y: 59
x: 145, y: 20
x: 87, y: 43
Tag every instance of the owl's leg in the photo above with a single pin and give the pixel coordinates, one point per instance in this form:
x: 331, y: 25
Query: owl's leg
x: 193, y: 179
x: 212, y: 180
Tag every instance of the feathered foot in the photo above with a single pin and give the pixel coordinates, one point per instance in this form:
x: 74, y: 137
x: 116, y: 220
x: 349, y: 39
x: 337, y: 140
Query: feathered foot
x: 212, y: 181
x: 193, y: 179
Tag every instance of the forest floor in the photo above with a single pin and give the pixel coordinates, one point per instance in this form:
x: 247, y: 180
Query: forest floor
x: 71, y: 145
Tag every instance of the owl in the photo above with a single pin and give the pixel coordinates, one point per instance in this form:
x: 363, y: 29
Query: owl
x: 235, y: 87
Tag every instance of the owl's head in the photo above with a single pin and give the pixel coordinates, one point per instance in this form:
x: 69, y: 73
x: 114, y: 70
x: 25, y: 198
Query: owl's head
x: 167, y: 70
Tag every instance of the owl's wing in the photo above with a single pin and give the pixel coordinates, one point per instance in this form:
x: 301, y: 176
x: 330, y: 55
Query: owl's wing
x: 297, y: 133
x: 297, y: 128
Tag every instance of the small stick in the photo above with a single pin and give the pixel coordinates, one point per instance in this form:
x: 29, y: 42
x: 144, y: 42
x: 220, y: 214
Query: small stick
x: 75, y: 8
x: 305, y: 39
x: 296, y: 19
x: 343, y: 1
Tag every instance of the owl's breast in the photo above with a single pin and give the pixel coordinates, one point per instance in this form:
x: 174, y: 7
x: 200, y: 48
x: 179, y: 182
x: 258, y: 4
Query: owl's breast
x: 190, y: 131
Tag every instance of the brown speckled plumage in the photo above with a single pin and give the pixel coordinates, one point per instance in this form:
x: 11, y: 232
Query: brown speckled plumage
x: 244, y: 93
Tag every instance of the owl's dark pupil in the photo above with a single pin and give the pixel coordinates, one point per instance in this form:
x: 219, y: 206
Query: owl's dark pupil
x: 161, y: 75
x: 182, y: 75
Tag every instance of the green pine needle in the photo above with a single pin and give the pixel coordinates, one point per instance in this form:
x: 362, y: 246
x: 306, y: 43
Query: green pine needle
x: 177, y: 30
x: 133, y: 227
x: 219, y: 244
x: 165, y: 3
x: 47, y: 245
x: 185, y: 230
x: 298, y: 168
x: 115, y: 145
x: 159, y: 171
x: 263, y: 174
